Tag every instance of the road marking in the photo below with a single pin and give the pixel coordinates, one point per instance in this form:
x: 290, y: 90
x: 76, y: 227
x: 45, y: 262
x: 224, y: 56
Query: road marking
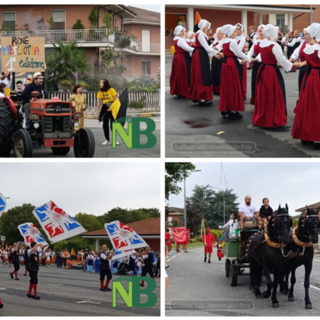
x: 54, y: 285
x: 173, y: 257
x: 3, y: 288
x: 80, y: 302
x: 314, y: 287
x: 317, y: 260
x: 168, y: 260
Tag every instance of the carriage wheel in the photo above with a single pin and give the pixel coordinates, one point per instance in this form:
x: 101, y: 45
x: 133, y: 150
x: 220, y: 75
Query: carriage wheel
x: 233, y: 275
x: 227, y: 267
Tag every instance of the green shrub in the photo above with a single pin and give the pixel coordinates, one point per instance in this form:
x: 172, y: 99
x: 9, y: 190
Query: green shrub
x: 75, y: 243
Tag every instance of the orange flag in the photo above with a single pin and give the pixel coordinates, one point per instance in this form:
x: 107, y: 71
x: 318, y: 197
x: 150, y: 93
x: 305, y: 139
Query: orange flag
x: 73, y: 253
x: 197, y: 19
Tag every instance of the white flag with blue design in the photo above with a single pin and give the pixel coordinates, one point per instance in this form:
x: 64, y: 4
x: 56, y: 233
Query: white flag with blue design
x: 3, y: 203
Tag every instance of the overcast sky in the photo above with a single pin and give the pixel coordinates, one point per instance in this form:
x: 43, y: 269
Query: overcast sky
x: 151, y: 7
x: 294, y: 183
x: 82, y: 187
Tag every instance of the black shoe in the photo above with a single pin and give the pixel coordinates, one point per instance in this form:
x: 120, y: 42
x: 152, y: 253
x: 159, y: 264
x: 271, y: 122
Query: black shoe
x: 1, y: 305
x: 205, y: 103
x: 11, y: 276
x: 285, y: 128
x: 30, y: 295
x: 36, y: 297
x: 223, y: 113
x: 238, y: 115
x: 104, y: 289
x: 17, y: 278
x: 205, y: 259
x: 25, y: 275
x: 245, y: 98
x: 107, y: 289
x: 316, y: 145
x: 209, y: 261
x: 195, y: 101
x: 141, y: 285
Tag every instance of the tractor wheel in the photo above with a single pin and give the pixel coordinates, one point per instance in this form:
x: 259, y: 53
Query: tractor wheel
x: 6, y: 130
x: 84, y: 144
x: 22, y: 144
x: 60, y: 151
x: 227, y: 267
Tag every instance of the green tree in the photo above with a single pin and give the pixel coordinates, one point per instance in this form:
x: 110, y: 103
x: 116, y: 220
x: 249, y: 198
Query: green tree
x: 124, y: 215
x: 76, y: 243
x: 63, y: 61
x: 215, y: 214
x: 193, y: 218
x: 78, y: 25
x: 89, y: 221
x: 14, y: 217
x: 175, y: 172
x: 152, y: 212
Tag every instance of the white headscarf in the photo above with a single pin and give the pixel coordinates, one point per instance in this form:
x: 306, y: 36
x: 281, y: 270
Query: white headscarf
x: 270, y: 31
x: 315, y: 31
x: 216, y: 34
x: 203, y: 23
x: 228, y: 29
x: 178, y: 30
x: 261, y: 26
x: 240, y: 25
x: 190, y: 33
x: 306, y: 30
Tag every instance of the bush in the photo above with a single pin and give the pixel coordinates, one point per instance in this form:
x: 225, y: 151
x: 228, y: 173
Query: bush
x: 138, y: 104
x: 75, y: 243
x: 124, y: 43
x: 217, y: 233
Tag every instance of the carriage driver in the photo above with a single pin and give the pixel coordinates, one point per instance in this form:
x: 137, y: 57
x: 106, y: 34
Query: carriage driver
x: 248, y: 212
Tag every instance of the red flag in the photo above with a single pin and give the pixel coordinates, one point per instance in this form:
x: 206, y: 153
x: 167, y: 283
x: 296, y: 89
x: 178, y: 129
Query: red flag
x: 179, y: 235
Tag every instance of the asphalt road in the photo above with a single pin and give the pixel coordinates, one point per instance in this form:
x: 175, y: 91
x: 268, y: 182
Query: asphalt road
x: 64, y: 293
x: 106, y: 151
x: 191, y: 130
x: 205, y: 285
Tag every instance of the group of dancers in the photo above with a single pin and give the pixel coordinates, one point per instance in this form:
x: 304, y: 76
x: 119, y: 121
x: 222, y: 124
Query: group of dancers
x: 193, y: 77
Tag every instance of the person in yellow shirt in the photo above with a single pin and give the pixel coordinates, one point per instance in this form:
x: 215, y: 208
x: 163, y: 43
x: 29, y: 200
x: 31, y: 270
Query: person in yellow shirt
x: 106, y: 96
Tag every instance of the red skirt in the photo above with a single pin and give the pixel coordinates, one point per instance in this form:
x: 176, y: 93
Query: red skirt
x: 220, y: 254
x: 231, y: 92
x: 306, y: 124
x: 244, y: 80
x: 270, y: 107
x: 216, y: 89
x: 197, y: 90
x: 179, y: 83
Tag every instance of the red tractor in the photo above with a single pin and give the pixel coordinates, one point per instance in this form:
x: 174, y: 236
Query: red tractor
x: 53, y: 125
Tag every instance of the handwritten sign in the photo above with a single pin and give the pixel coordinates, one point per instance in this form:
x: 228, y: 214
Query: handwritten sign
x: 23, y: 54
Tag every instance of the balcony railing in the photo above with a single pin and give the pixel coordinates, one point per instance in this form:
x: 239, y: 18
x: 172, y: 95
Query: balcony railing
x: 128, y: 43
x: 83, y: 36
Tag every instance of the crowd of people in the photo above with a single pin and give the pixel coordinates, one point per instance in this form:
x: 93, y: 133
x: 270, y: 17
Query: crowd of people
x: 205, y: 64
x: 144, y: 262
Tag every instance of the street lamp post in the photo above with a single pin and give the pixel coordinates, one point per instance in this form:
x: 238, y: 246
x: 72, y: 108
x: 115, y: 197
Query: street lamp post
x: 224, y: 205
x: 185, y: 200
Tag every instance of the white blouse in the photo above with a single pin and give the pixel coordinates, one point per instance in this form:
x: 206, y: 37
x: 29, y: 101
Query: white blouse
x: 203, y: 39
x: 293, y: 42
x: 276, y: 50
x: 242, y: 41
x: 310, y: 49
x: 296, y: 53
x: 182, y: 43
x: 251, y: 51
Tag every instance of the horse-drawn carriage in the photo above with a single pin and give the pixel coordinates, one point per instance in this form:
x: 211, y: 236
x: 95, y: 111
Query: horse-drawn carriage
x: 234, y: 251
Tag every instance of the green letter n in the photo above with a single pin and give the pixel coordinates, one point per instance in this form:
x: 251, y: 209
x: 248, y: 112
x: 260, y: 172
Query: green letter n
x: 126, y: 296
x: 126, y: 137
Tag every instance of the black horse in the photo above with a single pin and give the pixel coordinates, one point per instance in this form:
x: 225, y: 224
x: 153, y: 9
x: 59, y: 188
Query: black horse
x: 304, y: 235
x: 266, y: 253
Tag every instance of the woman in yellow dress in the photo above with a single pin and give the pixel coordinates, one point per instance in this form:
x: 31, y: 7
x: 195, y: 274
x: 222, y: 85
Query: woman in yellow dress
x: 79, y: 102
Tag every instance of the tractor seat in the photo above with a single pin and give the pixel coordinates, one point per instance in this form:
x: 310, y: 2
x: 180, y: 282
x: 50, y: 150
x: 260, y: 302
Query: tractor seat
x: 250, y: 225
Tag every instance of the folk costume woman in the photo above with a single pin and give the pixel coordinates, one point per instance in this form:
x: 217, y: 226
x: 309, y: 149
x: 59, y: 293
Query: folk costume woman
x: 299, y: 54
x: 254, y: 52
x: 180, y: 77
x: 191, y: 38
x: 219, y: 251
x: 200, y: 89
x: 270, y: 95
x: 241, y: 41
x: 307, y: 121
x: 231, y: 91
x: 216, y: 64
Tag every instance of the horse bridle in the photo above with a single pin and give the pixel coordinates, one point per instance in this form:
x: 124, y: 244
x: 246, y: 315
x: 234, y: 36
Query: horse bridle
x: 304, y: 224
